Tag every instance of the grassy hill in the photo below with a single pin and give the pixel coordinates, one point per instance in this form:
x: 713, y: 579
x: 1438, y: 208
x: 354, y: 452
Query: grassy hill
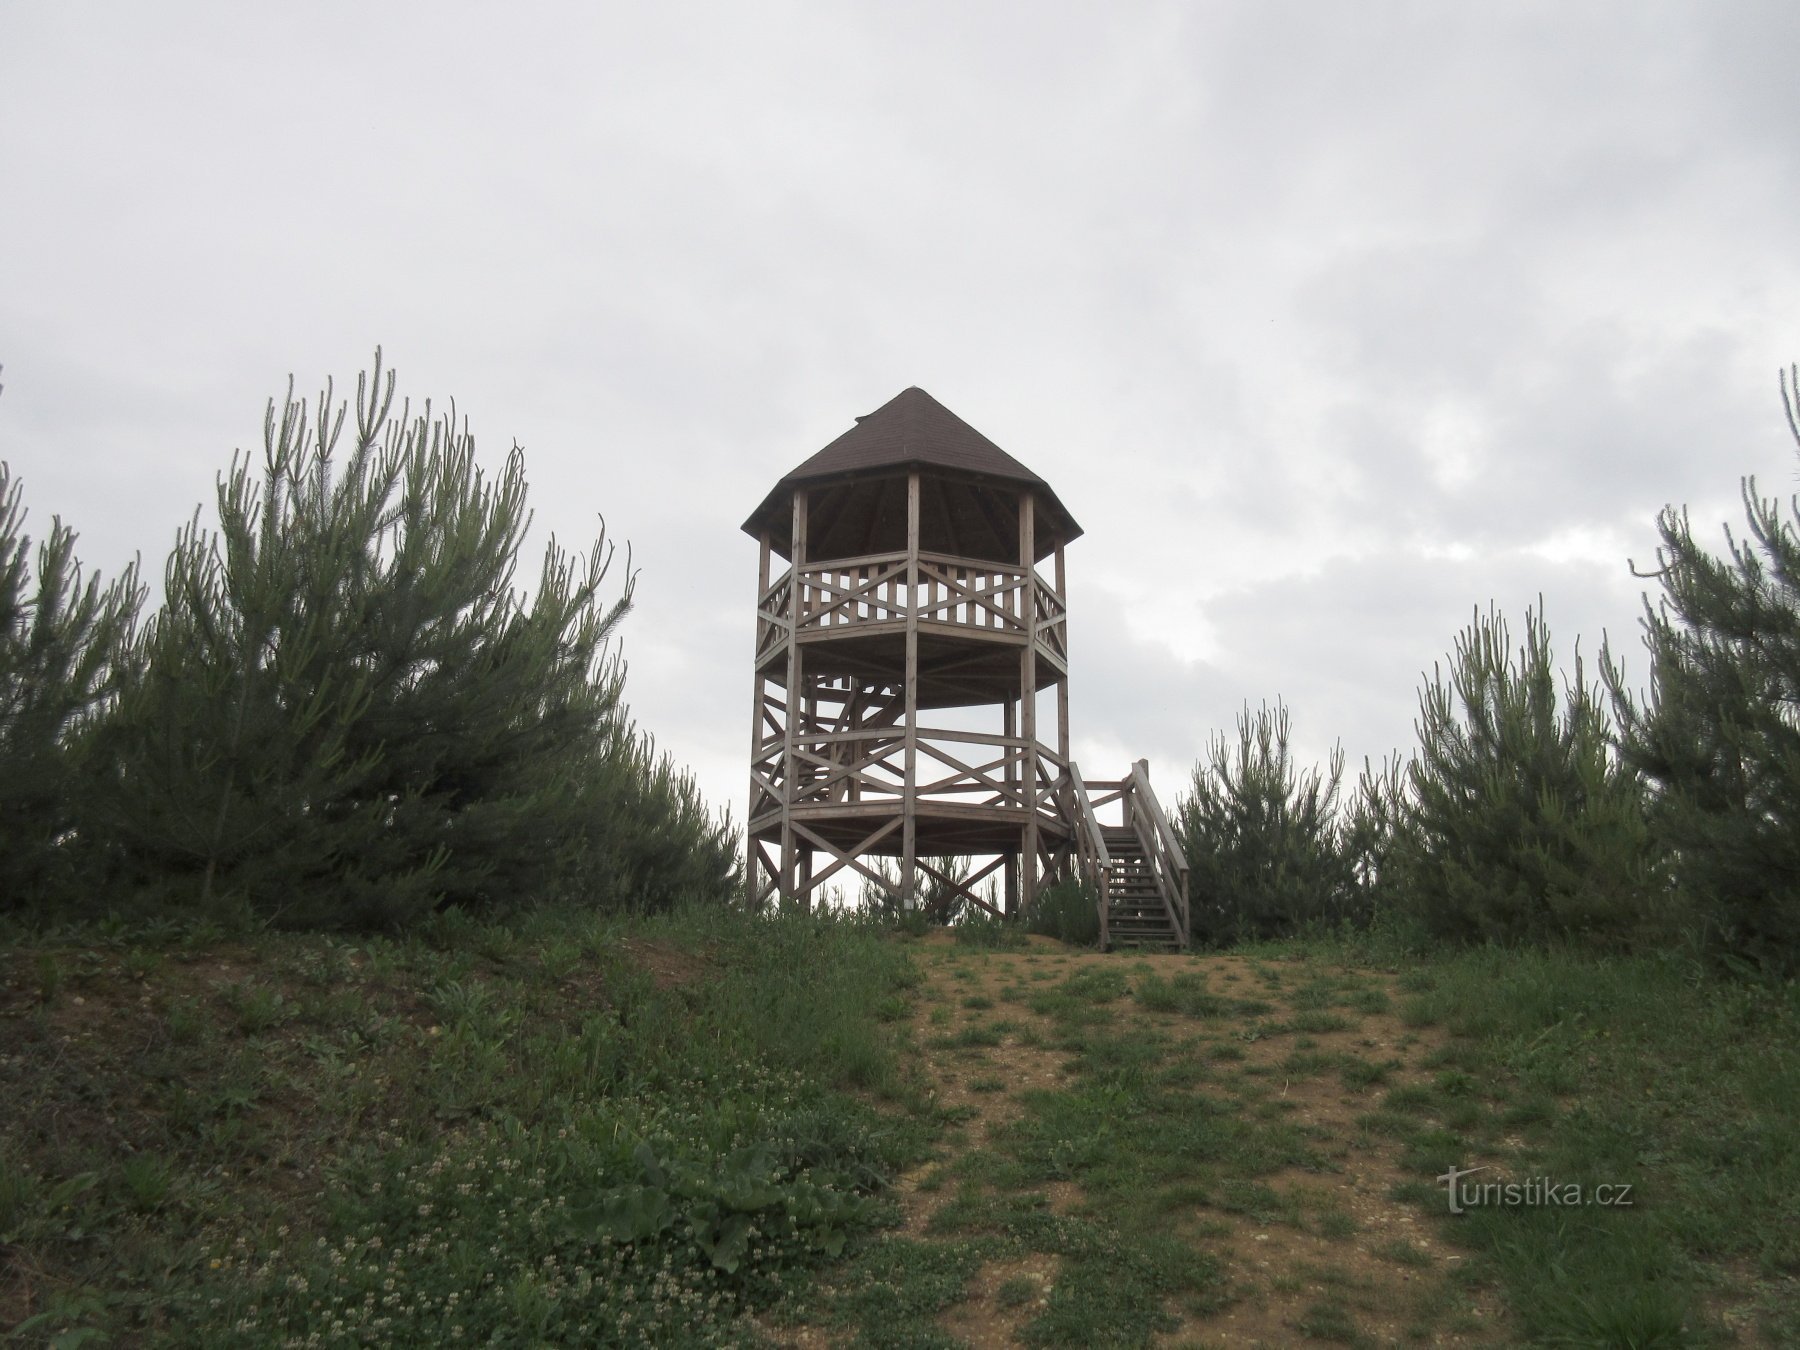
x: 706, y: 1129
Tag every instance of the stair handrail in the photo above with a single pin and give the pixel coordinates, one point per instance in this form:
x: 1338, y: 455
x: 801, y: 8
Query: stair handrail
x: 1093, y: 859
x: 1168, y: 858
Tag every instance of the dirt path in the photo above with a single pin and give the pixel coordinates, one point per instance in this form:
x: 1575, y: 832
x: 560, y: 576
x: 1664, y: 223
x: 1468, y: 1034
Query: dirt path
x: 1321, y: 1254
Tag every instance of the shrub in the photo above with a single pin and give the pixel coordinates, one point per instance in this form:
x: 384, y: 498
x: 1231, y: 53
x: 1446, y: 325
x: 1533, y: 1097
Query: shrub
x: 1068, y: 911
x: 938, y: 902
x: 642, y: 836
x: 975, y: 927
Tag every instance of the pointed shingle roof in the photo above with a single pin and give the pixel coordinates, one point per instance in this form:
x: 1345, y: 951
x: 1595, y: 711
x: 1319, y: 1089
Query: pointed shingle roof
x: 912, y: 428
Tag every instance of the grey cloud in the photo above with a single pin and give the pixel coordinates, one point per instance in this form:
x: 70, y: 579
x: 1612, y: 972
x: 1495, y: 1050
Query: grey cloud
x: 1232, y: 277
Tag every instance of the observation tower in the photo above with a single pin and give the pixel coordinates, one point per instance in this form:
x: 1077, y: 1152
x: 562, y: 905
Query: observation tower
x: 911, y: 686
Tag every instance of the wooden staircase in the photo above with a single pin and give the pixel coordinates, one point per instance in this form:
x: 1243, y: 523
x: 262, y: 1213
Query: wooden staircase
x: 1136, y: 868
x: 1137, y: 915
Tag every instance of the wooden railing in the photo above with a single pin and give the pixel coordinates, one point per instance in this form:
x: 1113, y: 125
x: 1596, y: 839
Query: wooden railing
x: 1168, y: 860
x: 772, y: 615
x: 871, y: 589
x: 868, y: 764
x: 877, y: 588
x: 1052, y: 621
x: 1093, y: 864
x: 1142, y: 814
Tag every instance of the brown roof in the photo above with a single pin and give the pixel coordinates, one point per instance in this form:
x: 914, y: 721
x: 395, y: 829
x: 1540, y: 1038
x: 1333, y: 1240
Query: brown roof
x: 912, y: 428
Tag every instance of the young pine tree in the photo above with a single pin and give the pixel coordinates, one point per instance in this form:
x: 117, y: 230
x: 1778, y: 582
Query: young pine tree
x: 346, y: 715
x: 1372, y: 827
x: 1262, y: 837
x: 1521, y: 825
x: 62, y: 648
x: 1719, y: 737
x: 641, y: 834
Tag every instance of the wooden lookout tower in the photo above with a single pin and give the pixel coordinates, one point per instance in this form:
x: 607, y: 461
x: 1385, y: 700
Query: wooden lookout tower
x: 911, y: 686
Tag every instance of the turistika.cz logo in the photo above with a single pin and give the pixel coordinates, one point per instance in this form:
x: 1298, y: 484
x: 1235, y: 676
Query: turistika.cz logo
x: 1530, y: 1193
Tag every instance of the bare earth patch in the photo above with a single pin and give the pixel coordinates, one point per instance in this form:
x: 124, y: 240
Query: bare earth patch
x: 1318, y: 1240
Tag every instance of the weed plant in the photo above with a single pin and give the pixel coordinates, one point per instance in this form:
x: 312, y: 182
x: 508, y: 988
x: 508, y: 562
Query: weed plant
x: 977, y: 928
x: 1067, y: 911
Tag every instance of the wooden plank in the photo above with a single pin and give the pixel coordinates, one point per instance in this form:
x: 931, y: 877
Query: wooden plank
x: 970, y: 778
x: 952, y: 560
x: 850, y: 858
x: 772, y: 586
x: 971, y: 737
x: 1062, y: 685
x: 861, y: 560
x: 966, y: 887
x: 1028, y: 844
x: 761, y: 864
x: 1010, y: 725
x: 795, y: 701
x: 757, y: 713
x: 909, y: 844
x: 934, y: 808
x: 1086, y: 821
x: 964, y: 632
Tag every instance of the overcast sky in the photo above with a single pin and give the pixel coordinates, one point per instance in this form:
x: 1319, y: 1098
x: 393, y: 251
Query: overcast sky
x: 1329, y: 322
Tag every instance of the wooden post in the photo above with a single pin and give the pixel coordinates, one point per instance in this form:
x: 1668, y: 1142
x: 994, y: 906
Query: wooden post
x: 789, y: 760
x: 759, y: 686
x: 1009, y: 729
x: 1062, y: 685
x: 1028, y: 843
x: 808, y: 714
x: 909, y: 800
x: 857, y: 708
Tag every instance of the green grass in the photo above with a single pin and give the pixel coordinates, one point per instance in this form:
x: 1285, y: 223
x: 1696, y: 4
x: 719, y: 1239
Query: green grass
x: 1184, y: 993
x: 1017, y: 1291
x: 651, y: 1127
x: 1643, y: 1071
x: 567, y: 1126
x: 1683, y: 1087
